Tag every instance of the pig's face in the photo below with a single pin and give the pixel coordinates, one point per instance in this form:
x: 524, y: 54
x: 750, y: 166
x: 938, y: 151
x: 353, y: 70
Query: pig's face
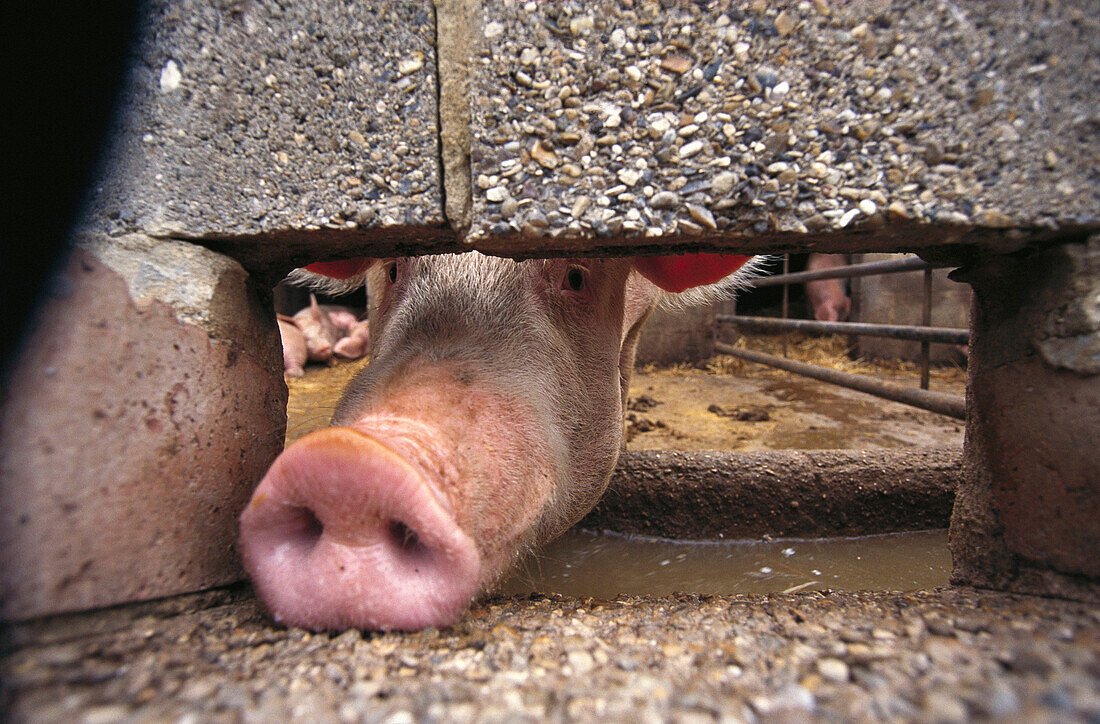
x: 489, y: 420
x: 517, y: 365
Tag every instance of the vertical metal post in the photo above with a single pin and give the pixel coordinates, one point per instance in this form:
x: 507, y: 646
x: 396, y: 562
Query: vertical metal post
x: 854, y: 288
x: 786, y: 297
x: 926, y: 320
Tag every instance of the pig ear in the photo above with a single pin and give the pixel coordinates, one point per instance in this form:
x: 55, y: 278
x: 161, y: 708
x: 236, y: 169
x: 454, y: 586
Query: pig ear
x: 340, y: 269
x: 332, y: 277
x: 678, y: 273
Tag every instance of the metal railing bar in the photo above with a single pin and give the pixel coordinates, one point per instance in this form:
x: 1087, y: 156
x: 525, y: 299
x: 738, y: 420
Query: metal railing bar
x: 939, y: 335
x: 890, y: 266
x: 926, y: 321
x: 950, y: 405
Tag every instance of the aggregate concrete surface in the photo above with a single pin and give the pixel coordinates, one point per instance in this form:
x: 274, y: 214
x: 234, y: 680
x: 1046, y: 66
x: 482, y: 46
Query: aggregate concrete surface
x: 944, y: 655
x: 243, y: 119
x: 621, y: 119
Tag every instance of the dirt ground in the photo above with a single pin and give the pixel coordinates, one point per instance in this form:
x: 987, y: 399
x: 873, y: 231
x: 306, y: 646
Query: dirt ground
x: 724, y: 403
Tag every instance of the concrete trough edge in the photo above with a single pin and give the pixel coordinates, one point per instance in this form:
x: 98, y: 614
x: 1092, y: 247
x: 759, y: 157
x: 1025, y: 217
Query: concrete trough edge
x: 779, y: 493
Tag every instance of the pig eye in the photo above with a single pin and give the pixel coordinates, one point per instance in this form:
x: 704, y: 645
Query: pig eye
x: 392, y: 273
x: 574, y: 279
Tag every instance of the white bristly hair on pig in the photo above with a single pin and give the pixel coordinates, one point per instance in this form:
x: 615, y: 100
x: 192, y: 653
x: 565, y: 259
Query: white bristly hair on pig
x: 325, y: 285
x: 720, y: 291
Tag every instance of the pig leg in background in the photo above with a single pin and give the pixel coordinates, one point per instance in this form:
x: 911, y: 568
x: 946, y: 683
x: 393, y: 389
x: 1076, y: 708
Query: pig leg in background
x: 294, y: 347
x: 828, y: 298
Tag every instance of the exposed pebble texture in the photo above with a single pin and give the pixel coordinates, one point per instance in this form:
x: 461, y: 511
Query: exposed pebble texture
x: 938, y: 656
x: 259, y: 118
x: 617, y: 120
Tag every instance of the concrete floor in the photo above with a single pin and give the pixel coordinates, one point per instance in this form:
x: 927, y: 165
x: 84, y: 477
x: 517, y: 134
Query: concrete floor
x: 939, y: 655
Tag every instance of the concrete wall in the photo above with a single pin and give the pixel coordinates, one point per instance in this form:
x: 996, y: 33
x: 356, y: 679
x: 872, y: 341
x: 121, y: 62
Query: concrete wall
x: 677, y: 335
x: 255, y: 137
x: 899, y: 299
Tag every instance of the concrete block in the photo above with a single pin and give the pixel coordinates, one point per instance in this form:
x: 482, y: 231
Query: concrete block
x: 828, y: 127
x: 899, y: 299
x: 143, y: 410
x: 284, y: 130
x: 1028, y: 512
x: 791, y: 493
x: 677, y: 335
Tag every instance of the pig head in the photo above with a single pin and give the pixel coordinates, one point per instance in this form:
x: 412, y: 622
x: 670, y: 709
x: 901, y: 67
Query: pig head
x: 487, y: 423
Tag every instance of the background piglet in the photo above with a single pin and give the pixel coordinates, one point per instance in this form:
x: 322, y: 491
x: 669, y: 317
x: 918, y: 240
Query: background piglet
x: 319, y: 331
x: 342, y: 318
x: 355, y: 343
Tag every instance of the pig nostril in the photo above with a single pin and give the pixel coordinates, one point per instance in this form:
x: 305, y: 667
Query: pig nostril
x: 313, y: 527
x: 306, y: 527
x: 406, y: 540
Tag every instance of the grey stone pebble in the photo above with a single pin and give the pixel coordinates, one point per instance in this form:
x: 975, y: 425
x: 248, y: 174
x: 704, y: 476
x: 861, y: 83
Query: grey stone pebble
x: 833, y: 670
x: 702, y: 215
x: 665, y: 200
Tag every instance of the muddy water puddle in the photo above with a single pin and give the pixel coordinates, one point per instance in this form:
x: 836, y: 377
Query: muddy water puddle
x: 604, y: 565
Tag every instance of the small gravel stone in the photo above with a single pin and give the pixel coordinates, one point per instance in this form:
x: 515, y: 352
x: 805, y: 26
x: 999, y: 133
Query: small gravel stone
x: 897, y: 211
x: 410, y: 63
x: 496, y: 193
x: 676, y: 63
x: 833, y: 670
x: 789, y: 699
x: 170, y: 77
x: 664, y: 200
x: 543, y: 154
x: 581, y: 662
x: 690, y: 149
x: 581, y: 25
x: 784, y: 24
x: 868, y: 207
x: 943, y: 707
x: 703, y: 215
x: 629, y: 176
x: 723, y: 183
x: 847, y: 218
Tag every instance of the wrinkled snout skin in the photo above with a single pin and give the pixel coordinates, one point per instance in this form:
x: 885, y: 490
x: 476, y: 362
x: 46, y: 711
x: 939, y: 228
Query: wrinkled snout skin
x: 488, y: 422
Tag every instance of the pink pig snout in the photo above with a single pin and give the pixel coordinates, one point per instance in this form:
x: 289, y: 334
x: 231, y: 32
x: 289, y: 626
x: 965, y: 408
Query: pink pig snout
x: 343, y: 532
